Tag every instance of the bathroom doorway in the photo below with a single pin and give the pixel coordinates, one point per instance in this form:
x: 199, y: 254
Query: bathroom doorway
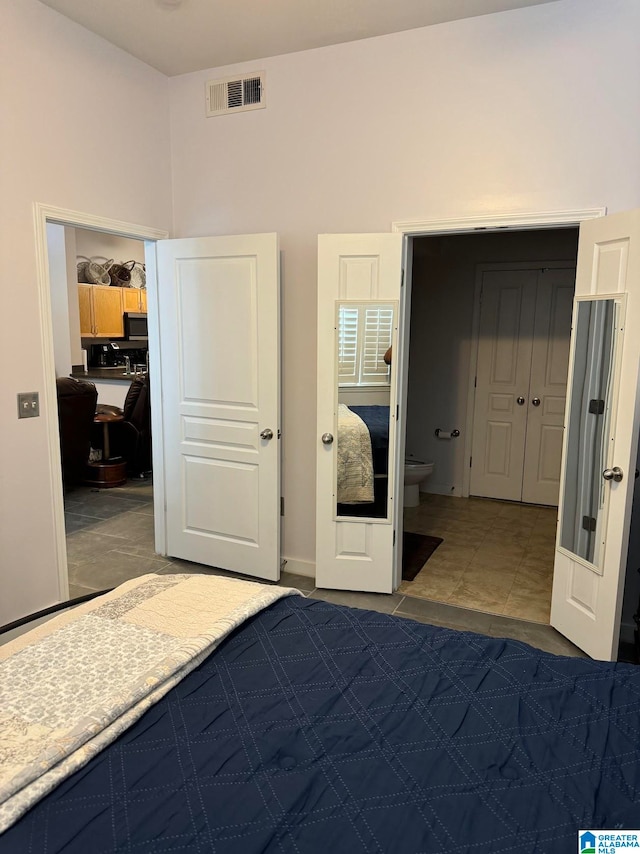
x: 486, y: 551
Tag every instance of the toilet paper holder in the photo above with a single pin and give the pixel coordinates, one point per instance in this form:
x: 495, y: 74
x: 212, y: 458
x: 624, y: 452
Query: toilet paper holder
x: 446, y: 434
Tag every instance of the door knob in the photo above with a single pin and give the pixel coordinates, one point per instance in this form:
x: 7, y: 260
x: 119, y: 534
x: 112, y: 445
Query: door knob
x: 613, y: 474
x: 327, y: 439
x: 536, y: 401
x: 520, y: 401
x: 267, y: 434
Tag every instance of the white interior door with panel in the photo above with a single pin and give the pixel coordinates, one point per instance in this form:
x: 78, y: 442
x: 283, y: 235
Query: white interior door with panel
x: 359, y: 282
x: 218, y: 309
x: 600, y: 437
x: 523, y: 354
x: 547, y: 391
x: 502, y: 383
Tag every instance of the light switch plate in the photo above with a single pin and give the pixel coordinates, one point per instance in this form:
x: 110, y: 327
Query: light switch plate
x: 28, y: 404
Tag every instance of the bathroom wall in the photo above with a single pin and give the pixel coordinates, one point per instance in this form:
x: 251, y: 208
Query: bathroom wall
x: 443, y: 289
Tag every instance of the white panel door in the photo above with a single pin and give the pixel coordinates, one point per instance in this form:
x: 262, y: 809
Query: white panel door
x: 502, y: 385
x: 218, y: 306
x: 351, y: 554
x: 548, y: 386
x: 587, y: 592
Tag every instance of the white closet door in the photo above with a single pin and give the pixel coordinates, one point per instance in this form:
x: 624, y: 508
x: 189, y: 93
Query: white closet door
x: 502, y: 385
x: 548, y: 387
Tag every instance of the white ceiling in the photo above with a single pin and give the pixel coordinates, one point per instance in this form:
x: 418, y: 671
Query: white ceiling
x: 179, y: 36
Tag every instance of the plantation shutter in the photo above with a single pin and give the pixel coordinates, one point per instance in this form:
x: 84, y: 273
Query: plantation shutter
x: 378, y: 326
x: 364, y: 335
x: 348, y: 344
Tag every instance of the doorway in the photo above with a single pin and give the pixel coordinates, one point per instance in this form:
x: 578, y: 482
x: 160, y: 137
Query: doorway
x: 494, y: 547
x: 44, y: 217
x: 109, y: 503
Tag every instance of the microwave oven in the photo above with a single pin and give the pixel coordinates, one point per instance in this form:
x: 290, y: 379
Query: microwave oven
x: 135, y: 326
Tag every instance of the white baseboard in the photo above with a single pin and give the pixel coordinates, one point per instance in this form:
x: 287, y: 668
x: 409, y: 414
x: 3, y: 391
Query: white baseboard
x: 435, y: 488
x: 299, y: 567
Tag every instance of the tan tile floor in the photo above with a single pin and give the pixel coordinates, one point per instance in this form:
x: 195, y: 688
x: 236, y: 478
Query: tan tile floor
x: 497, y: 556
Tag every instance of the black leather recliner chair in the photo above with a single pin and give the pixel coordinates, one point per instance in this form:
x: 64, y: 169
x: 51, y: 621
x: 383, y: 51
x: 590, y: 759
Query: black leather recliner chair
x: 76, y: 408
x: 131, y: 437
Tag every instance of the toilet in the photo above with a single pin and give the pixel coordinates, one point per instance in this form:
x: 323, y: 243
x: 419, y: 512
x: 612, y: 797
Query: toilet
x: 415, y: 471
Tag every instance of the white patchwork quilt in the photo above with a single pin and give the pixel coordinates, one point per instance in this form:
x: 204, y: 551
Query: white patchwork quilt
x: 355, y: 460
x: 73, y: 685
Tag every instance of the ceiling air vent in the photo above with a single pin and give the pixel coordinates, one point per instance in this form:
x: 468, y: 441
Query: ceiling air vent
x: 235, y: 94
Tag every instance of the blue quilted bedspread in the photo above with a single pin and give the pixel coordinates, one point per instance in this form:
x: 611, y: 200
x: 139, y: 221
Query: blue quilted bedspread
x: 319, y: 728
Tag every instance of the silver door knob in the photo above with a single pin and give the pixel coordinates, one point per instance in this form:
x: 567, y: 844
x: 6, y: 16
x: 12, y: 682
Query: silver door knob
x: 266, y: 434
x: 536, y: 401
x: 520, y: 401
x: 327, y: 438
x: 613, y: 474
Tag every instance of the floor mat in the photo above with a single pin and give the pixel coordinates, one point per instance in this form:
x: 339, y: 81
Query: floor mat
x: 416, y: 551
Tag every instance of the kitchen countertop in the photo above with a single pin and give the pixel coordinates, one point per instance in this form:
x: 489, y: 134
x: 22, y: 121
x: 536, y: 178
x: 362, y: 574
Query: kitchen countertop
x: 116, y: 374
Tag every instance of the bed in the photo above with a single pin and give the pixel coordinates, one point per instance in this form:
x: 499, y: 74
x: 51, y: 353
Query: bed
x: 376, y: 419
x: 312, y: 727
x: 363, y: 459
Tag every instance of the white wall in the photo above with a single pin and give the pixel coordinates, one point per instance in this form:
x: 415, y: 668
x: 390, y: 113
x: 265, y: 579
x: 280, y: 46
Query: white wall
x: 56, y: 248
x: 61, y: 90
x: 443, y: 291
x: 529, y: 110
x: 97, y: 244
x: 78, y: 355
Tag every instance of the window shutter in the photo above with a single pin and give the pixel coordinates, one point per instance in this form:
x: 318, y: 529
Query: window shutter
x: 348, y: 327
x: 365, y: 333
x: 378, y: 327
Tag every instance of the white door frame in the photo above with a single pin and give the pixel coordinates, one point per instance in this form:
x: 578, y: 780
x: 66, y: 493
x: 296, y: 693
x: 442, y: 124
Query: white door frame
x: 44, y: 214
x: 475, y: 339
x: 429, y: 228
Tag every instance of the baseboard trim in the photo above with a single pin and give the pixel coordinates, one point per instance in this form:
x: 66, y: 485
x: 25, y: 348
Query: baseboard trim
x: 299, y: 567
x: 442, y: 489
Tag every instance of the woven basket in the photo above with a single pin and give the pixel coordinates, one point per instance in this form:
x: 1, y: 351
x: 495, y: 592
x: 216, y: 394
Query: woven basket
x: 98, y: 274
x: 120, y: 274
x: 81, y: 267
x: 138, y: 276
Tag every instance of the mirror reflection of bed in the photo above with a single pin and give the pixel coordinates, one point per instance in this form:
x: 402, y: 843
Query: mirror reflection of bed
x: 364, y: 338
x: 363, y: 460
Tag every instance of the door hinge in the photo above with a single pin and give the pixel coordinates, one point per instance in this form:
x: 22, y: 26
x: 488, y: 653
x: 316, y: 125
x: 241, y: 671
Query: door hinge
x: 394, y: 536
x: 397, y: 412
x: 470, y: 461
x: 282, y: 505
x: 588, y: 523
x: 402, y: 279
x: 475, y: 382
x: 596, y: 407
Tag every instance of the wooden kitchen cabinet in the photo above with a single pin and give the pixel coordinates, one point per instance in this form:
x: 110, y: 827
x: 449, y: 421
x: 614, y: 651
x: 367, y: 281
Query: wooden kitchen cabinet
x: 101, y: 308
x: 134, y: 299
x: 131, y: 299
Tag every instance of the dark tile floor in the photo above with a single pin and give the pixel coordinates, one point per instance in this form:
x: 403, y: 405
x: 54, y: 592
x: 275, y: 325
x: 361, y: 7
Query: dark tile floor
x: 110, y: 539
